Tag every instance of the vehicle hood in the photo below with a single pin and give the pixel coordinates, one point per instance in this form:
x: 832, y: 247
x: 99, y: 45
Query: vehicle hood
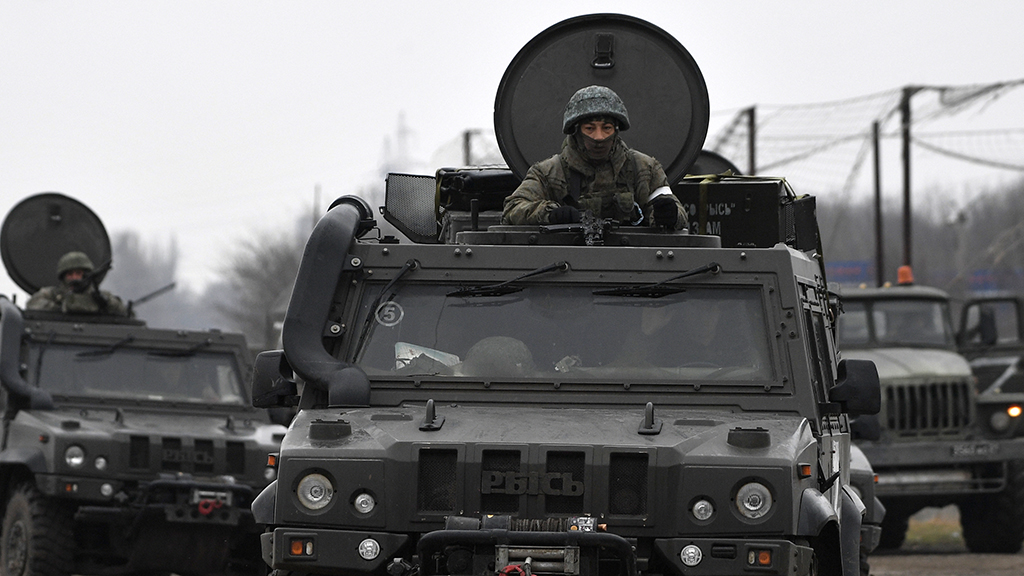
x: 910, y: 363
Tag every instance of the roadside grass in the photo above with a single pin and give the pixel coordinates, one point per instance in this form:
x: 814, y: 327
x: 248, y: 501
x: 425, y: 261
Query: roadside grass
x: 938, y: 529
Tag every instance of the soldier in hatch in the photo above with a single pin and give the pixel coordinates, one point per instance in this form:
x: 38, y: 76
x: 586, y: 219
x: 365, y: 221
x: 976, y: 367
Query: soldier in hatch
x: 595, y: 171
x: 76, y: 292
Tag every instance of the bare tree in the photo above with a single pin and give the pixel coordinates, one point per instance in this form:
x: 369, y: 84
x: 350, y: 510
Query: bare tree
x: 260, y: 274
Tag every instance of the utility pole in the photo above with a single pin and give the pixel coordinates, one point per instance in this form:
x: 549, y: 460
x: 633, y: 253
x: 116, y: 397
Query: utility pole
x: 879, y: 237
x: 752, y: 140
x: 908, y: 92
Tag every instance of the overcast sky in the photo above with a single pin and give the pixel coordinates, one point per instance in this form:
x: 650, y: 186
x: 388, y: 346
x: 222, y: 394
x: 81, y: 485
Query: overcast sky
x: 206, y: 120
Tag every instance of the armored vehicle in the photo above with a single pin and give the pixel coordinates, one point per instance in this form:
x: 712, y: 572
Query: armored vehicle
x: 565, y: 399
x: 125, y: 448
x: 942, y: 436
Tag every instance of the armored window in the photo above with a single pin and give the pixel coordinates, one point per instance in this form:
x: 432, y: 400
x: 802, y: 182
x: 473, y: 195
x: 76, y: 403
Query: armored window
x: 567, y: 332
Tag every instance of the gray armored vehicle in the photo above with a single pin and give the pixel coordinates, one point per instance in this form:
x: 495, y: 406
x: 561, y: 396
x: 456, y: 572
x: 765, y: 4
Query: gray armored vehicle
x: 125, y: 448
x: 943, y: 436
x: 566, y: 399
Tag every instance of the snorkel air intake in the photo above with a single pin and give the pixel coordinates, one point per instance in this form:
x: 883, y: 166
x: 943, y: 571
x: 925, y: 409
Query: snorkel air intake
x: 323, y: 260
x: 11, y: 326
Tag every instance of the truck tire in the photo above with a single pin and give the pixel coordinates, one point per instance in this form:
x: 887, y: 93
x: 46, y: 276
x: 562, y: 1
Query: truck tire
x: 995, y: 525
x: 37, y: 537
x: 894, y: 529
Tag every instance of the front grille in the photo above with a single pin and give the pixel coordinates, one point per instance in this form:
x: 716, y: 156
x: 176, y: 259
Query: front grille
x: 499, y: 462
x: 138, y: 452
x: 436, y: 492
x: 935, y: 408
x: 560, y: 485
x: 567, y: 501
x: 199, y: 456
x: 627, y: 486
x: 169, y: 459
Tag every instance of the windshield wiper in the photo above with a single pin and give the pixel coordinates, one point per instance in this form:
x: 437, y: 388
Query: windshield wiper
x: 507, y: 286
x: 108, y: 350
x: 190, y: 351
x: 410, y: 264
x: 659, y: 289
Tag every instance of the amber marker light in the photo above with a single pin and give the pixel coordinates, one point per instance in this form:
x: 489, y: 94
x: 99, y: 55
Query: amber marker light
x: 764, y: 557
x: 1014, y: 411
x: 272, y: 460
x: 804, y: 470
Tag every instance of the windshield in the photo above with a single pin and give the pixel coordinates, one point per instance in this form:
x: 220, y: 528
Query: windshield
x: 911, y: 322
x: 132, y: 373
x: 566, y: 332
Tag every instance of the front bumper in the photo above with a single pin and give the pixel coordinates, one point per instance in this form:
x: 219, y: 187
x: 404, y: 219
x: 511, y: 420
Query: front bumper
x: 181, y: 500
x: 570, y: 553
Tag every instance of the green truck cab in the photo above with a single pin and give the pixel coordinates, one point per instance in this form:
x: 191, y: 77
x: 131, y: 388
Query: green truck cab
x: 946, y: 433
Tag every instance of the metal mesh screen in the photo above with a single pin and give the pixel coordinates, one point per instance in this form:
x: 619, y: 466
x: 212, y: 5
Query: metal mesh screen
x: 437, y: 470
x: 409, y: 205
x: 627, y: 484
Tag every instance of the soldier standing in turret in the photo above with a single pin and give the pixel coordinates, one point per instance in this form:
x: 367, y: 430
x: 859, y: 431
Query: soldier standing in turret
x: 77, y: 291
x: 595, y: 171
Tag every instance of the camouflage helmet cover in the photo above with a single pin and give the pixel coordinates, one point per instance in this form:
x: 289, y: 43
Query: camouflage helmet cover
x: 594, y: 101
x: 73, y: 261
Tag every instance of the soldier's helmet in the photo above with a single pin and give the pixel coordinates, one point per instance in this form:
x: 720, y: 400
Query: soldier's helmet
x: 594, y: 101
x: 73, y: 261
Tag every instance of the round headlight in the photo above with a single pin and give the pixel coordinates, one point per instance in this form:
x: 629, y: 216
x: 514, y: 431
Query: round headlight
x: 101, y: 463
x: 753, y: 500
x: 315, y: 491
x: 369, y: 549
x: 702, y: 509
x: 999, y: 421
x: 106, y: 490
x: 364, y: 503
x: 74, y: 456
x: 690, y: 555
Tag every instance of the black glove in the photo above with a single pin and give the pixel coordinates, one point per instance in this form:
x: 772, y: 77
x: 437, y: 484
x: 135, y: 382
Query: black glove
x: 564, y: 215
x: 666, y: 213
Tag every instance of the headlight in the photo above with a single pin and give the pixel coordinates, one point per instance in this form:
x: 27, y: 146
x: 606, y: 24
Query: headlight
x: 702, y: 509
x: 315, y: 491
x: 364, y: 503
x: 369, y: 549
x: 74, y: 456
x: 999, y: 421
x: 753, y: 500
x: 101, y: 463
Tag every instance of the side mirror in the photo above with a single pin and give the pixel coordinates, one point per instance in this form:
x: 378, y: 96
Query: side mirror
x: 866, y: 427
x: 273, y: 385
x: 858, y: 390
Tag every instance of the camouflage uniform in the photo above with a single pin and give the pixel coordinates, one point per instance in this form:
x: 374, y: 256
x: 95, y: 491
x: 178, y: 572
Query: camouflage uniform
x: 86, y: 299
x: 620, y: 188
x: 63, y: 299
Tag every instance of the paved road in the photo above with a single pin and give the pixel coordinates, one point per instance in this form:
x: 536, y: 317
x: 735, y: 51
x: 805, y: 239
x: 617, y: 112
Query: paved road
x: 930, y: 563
x: 934, y: 547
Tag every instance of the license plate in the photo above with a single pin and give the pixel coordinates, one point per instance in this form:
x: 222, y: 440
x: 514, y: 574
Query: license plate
x: 975, y: 449
x: 223, y: 498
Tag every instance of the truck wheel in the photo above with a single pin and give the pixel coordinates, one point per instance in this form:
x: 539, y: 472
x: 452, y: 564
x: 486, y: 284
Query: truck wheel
x: 37, y: 538
x: 995, y: 524
x: 894, y: 529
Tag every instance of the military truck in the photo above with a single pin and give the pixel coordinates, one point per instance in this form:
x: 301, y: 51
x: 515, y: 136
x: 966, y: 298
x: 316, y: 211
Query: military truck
x: 942, y: 436
x: 570, y: 399
x: 125, y: 448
